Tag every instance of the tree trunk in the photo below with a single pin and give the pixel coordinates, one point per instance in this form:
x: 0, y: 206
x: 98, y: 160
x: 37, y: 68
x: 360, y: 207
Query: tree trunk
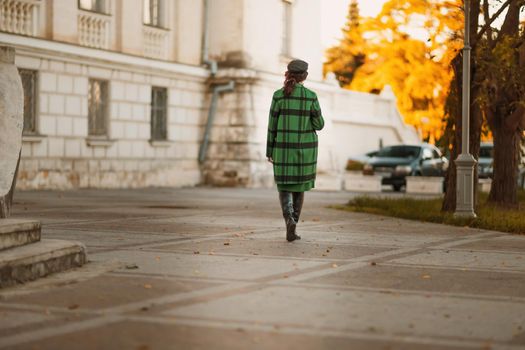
x: 454, y: 130
x: 503, y: 191
x: 507, y: 128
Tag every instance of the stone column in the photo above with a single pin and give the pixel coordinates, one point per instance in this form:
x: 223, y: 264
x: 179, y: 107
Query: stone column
x: 233, y: 157
x: 11, y: 126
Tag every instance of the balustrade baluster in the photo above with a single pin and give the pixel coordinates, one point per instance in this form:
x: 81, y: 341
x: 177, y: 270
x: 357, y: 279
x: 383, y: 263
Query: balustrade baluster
x: 19, y: 16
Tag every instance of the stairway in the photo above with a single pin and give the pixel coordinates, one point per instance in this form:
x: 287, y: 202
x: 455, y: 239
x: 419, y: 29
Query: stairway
x: 25, y: 257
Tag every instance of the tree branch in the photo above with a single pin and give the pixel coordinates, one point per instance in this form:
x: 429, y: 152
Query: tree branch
x: 492, y: 19
x: 511, y: 24
x: 486, y: 17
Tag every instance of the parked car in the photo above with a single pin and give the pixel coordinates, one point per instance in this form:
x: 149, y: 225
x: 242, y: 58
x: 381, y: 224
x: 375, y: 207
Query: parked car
x: 486, y: 155
x: 485, y: 164
x: 395, y: 163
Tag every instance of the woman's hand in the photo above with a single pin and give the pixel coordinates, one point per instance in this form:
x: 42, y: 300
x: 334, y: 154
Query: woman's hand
x: 270, y: 159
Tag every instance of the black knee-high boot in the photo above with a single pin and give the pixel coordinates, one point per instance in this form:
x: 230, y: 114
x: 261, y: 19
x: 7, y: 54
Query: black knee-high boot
x: 298, y: 199
x: 286, y: 200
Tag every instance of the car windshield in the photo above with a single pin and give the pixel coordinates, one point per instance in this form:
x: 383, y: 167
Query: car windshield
x: 399, y: 152
x: 486, y: 152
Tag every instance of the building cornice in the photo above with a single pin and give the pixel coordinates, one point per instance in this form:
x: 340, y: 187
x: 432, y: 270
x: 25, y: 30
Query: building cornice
x: 42, y: 48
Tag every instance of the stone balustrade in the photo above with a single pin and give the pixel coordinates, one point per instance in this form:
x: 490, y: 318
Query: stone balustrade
x: 155, y: 42
x: 94, y: 29
x: 19, y: 16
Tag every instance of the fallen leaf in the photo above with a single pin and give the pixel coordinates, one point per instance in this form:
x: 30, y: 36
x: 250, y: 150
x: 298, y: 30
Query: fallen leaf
x: 157, y: 258
x: 425, y: 277
x: 196, y: 252
x: 132, y: 266
x: 373, y: 263
x: 73, y: 306
x: 334, y: 265
x: 148, y: 286
x: 226, y: 243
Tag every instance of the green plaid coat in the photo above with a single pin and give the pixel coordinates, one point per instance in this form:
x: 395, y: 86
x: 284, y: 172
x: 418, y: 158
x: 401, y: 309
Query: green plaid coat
x: 292, y: 138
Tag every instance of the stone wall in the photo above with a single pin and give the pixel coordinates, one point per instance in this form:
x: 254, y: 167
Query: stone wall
x: 61, y: 155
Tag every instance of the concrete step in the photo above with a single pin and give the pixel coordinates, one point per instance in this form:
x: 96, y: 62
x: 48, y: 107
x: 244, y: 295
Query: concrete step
x: 18, y: 232
x: 29, y: 262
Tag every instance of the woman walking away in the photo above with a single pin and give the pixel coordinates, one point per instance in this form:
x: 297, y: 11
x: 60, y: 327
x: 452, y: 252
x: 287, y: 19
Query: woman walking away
x: 295, y: 115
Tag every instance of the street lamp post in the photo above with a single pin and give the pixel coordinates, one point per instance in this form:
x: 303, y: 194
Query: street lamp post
x: 465, y: 162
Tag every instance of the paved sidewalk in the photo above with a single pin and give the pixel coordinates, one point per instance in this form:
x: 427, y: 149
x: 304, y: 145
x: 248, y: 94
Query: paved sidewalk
x: 210, y: 269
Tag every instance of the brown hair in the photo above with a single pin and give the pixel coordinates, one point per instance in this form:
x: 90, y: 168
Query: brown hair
x: 291, y: 79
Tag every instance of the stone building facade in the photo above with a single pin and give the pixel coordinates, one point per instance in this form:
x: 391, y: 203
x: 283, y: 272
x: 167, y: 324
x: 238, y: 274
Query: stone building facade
x: 117, y: 94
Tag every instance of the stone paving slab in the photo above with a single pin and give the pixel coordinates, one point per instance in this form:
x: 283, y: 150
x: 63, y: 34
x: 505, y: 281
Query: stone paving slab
x: 167, y: 226
x: 275, y: 248
x: 202, y: 265
x: 10, y: 319
x: 504, y: 244
x: 359, y: 236
x: 401, y: 314
x: 18, y: 321
x: 437, y: 280
x: 99, y: 292
x: 152, y: 335
x: 112, y: 239
x: 511, y: 261
x: 355, y: 281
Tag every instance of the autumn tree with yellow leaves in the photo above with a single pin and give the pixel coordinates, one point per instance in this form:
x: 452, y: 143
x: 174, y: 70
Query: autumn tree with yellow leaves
x: 409, y: 46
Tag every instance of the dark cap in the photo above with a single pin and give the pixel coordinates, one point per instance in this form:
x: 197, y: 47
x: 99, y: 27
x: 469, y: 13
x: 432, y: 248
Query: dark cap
x: 297, y: 66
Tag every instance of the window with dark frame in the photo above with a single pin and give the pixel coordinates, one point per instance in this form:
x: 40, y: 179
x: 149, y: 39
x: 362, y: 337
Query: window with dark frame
x: 152, y: 12
x: 286, y: 27
x: 93, y: 5
x: 98, y: 107
x: 29, y: 84
x: 159, y: 113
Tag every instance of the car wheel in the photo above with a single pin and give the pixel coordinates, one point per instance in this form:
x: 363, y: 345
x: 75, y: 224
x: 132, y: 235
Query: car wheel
x: 397, y: 188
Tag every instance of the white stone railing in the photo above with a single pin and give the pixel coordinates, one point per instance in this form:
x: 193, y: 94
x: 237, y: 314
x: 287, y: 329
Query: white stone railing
x: 94, y: 29
x: 19, y: 16
x: 155, y: 42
